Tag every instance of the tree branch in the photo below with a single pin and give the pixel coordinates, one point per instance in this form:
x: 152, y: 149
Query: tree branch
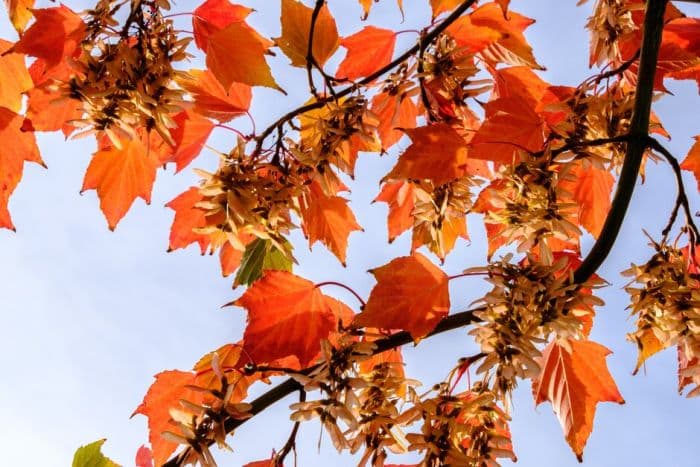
x: 638, y: 140
x: 439, y: 29
x: 310, y: 60
x: 290, y: 385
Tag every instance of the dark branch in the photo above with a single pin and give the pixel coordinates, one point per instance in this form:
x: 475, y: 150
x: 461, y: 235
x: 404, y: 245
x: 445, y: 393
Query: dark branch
x: 289, y: 386
x: 310, y: 60
x: 637, y: 144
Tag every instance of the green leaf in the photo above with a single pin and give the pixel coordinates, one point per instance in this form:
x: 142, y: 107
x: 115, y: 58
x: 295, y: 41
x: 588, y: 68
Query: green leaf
x: 261, y: 255
x: 91, y: 455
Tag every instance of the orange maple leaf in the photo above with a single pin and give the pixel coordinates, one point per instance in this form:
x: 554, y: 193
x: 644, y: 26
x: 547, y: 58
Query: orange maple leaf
x: 14, y: 78
x: 17, y: 148
x: 692, y: 160
x: 47, y: 110
x: 574, y: 379
x: 287, y: 315
x: 20, y: 13
x: 512, y: 48
x: 120, y: 175
x: 235, y: 54
x: 363, y: 59
x: 442, y: 6
x: 411, y: 294
x: 327, y: 219
x: 421, y: 161
x: 510, y: 127
x: 212, y: 100
x: 395, y: 112
x: 215, y: 15
x: 55, y: 35
x: 190, y: 136
x: 400, y: 198
x: 187, y: 218
x: 590, y: 188
x: 296, y: 26
x: 165, y: 394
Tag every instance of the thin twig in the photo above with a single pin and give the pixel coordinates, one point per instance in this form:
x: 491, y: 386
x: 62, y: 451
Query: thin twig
x: 310, y: 60
x: 292, y: 441
x: 439, y: 29
x: 682, y: 199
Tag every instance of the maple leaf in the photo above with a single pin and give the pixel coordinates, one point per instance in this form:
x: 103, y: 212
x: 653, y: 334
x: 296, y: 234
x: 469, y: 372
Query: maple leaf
x: 190, y: 135
x: 510, y: 126
x: 212, y: 100
x: 91, y: 455
x: 47, y: 110
x: 144, y: 457
x: 296, y: 26
x: 120, y: 175
x: 165, y: 394
x: 692, y: 160
x: 411, y: 294
x: 512, y: 48
x: 215, y: 15
x: 260, y: 255
x: 590, y: 188
x: 420, y: 161
x: 574, y: 379
x: 442, y: 6
x: 236, y: 54
x: 56, y: 34
x: 367, y: 6
x: 362, y: 60
x: 17, y: 148
x: 647, y: 344
x: 327, y: 219
x: 395, y: 112
x: 400, y: 198
x: 187, y: 218
x: 20, y: 13
x: 287, y: 315
x: 472, y: 37
x: 14, y: 78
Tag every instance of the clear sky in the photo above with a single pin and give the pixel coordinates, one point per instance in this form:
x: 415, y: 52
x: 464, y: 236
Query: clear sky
x: 89, y: 315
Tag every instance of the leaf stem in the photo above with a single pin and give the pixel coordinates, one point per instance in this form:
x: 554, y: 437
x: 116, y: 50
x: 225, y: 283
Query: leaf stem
x: 348, y: 288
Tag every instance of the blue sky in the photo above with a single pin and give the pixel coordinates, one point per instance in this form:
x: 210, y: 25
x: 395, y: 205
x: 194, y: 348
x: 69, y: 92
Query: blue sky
x: 89, y: 315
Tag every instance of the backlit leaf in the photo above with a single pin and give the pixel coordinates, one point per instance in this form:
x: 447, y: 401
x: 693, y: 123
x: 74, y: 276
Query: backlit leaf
x: 411, y: 294
x: 212, y: 100
x: 362, y: 60
x: 692, y: 160
x: 187, y: 218
x: 421, y: 161
x: 190, y: 136
x: 120, y: 175
x: 17, y: 148
x: 399, y: 196
x: 574, y: 379
x: 55, y: 35
x: 215, y: 15
x: 14, y: 78
x: 261, y: 255
x: 590, y: 187
x: 328, y: 219
x: 20, y: 12
x: 165, y: 394
x: 287, y: 315
x: 236, y: 55
x: 91, y: 455
x: 296, y: 25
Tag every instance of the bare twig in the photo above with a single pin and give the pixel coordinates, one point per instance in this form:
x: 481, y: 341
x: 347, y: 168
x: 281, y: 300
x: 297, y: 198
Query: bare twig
x: 682, y: 199
x: 291, y: 442
x: 310, y: 60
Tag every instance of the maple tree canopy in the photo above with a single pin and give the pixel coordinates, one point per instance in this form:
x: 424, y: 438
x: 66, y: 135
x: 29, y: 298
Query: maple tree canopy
x: 545, y: 165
